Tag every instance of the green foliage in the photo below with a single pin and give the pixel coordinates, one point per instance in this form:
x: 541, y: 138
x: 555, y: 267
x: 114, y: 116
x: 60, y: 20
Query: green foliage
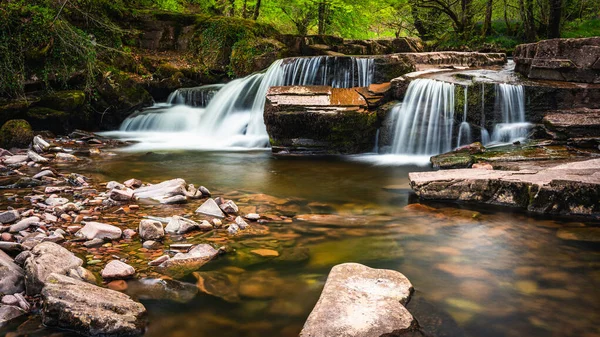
x: 582, y: 28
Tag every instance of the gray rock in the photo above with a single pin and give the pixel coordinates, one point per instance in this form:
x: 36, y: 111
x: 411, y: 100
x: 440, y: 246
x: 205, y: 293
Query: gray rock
x: 359, y: 301
x: 44, y: 173
x: 65, y: 157
x: 89, y: 309
x: 121, y: 195
x: 163, y: 190
x: 10, y: 300
x: 41, y: 143
x: 98, y: 230
x: 205, y: 192
x: 241, y: 223
x: 82, y: 274
x: 16, y: 159
x: 151, y: 230
x: 183, y: 263
x: 24, y: 224
x: 158, y: 260
x: 116, y: 269
x: 181, y: 225
x: 210, y: 208
x: 9, y: 216
x: 252, y: 216
x: 151, y: 244
x: 56, y: 201
x: 159, y: 289
x: 8, y: 313
x: 47, y: 258
x: 176, y: 199
x: 115, y: 185
x: 93, y: 243
x: 133, y: 183
x: 36, y: 158
x: 233, y: 229
x: 11, y: 276
x: 229, y: 207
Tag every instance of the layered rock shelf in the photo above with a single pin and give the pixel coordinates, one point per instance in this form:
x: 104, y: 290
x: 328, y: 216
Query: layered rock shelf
x: 564, y: 189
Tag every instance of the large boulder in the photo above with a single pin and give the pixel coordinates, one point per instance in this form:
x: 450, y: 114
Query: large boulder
x: 11, y: 275
x: 15, y: 133
x: 573, y: 60
x: 319, y: 119
x: 8, y: 313
x: 359, y: 301
x: 97, y: 230
x: 47, y: 258
x: 88, y: 309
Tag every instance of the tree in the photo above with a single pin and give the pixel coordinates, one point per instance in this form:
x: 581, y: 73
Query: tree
x: 487, y: 24
x: 256, y: 10
x: 554, y: 18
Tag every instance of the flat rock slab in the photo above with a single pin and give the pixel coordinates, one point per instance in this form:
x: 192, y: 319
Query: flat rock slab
x: 210, y: 208
x: 45, y: 259
x: 359, y: 301
x: 566, y: 189
x: 185, y: 263
x: 89, y: 309
x: 11, y: 275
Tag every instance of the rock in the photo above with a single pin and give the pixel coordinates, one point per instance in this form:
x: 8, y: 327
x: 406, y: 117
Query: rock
x: 150, y: 244
x: 10, y: 300
x: 93, y: 243
x: 205, y: 192
x: 88, y: 309
x: 15, y: 133
x: 482, y: 166
x: 8, y: 313
x: 161, y: 289
x: 163, y: 190
x: 98, y: 230
x: 44, y: 173
x: 56, y: 201
x: 121, y: 195
x: 573, y: 60
x: 6, y: 237
x: 183, y: 263
x: 158, y: 261
x: 11, y: 276
x: 83, y: 274
x: 129, y: 233
x: 47, y: 258
x: 181, y: 225
x: 23, y: 224
x: 133, y: 183
x: 176, y: 199
x: 65, y: 157
x: 265, y: 252
x: 567, y: 189
x: 241, y: 223
x: 219, y: 284
x: 233, y: 229
x: 9, y: 216
x: 210, y: 208
x: 115, y: 185
x: 16, y: 159
x: 229, y: 207
x: 361, y: 301
x: 573, y: 124
x: 116, y: 269
x: 151, y: 230
x: 252, y: 216
x: 36, y: 158
x: 41, y: 143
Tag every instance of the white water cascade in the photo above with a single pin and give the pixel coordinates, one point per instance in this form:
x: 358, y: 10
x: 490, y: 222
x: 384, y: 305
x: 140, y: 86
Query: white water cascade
x: 231, y: 116
x: 464, y: 130
x: 424, y: 121
x: 510, y: 104
x: 485, y: 135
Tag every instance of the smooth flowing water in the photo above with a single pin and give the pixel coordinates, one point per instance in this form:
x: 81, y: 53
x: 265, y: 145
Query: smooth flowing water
x: 230, y: 116
x: 424, y: 121
x: 464, y: 130
x: 510, y: 105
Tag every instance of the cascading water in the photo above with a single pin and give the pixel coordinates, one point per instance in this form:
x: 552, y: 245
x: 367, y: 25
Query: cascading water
x: 510, y: 104
x: 464, y: 131
x: 196, y: 97
x: 424, y: 121
x: 233, y: 114
x: 485, y: 135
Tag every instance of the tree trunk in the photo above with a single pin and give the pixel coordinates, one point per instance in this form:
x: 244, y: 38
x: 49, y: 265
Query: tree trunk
x: 487, y: 24
x: 322, y: 9
x: 554, y: 19
x: 418, y: 23
x: 256, y: 10
x: 231, y: 8
x: 466, y: 18
x: 508, y: 27
x: 530, y: 30
x: 244, y: 8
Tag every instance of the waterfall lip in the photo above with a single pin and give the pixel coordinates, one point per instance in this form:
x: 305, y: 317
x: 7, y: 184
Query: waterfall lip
x: 392, y: 159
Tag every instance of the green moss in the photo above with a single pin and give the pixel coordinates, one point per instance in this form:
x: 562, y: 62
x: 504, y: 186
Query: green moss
x: 43, y: 113
x: 69, y: 100
x: 166, y: 70
x: 249, y: 55
x: 15, y: 133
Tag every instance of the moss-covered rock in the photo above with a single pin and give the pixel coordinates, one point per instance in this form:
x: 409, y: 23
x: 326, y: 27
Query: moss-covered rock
x: 249, y: 55
x: 66, y: 101
x: 15, y: 133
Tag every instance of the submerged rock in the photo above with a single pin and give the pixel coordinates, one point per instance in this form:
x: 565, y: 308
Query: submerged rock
x: 89, y: 309
x: 159, y: 289
x: 360, y: 301
x: 210, y: 208
x: 181, y: 225
x: 184, y: 263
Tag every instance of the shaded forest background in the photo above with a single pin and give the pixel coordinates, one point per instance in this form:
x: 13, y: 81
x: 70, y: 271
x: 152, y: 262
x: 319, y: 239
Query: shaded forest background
x: 57, y: 41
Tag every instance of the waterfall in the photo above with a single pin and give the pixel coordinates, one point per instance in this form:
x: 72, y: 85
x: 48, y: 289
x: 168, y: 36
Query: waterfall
x: 231, y: 115
x: 195, y: 97
x: 424, y: 121
x: 464, y: 131
x: 510, y: 105
x: 485, y: 135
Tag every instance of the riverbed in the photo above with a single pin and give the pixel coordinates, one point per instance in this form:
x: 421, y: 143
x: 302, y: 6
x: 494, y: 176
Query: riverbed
x: 489, y: 272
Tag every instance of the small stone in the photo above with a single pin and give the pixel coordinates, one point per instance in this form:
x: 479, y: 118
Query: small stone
x: 265, y: 252
x: 204, y: 191
x: 117, y: 269
x: 6, y: 237
x: 44, y: 173
x: 159, y: 260
x: 73, y: 229
x: 66, y: 217
x: 133, y: 183
x: 9, y: 216
x: 117, y: 285
x: 483, y: 166
x: 99, y: 230
x: 252, y: 216
x: 23, y: 224
x: 41, y: 143
x: 121, y: 195
x: 229, y: 207
x: 150, y: 244
x: 176, y: 199
x: 115, y: 185
x: 233, y: 229
x: 129, y: 233
x: 241, y: 223
x: 36, y: 158
x: 151, y: 230
x: 65, y: 157
x: 50, y: 217
x: 217, y: 222
x: 10, y: 300
x: 56, y: 201
x: 210, y: 208
x: 94, y: 243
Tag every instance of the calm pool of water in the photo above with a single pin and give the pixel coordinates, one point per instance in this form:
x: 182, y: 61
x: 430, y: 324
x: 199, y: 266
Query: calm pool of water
x: 494, y: 272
